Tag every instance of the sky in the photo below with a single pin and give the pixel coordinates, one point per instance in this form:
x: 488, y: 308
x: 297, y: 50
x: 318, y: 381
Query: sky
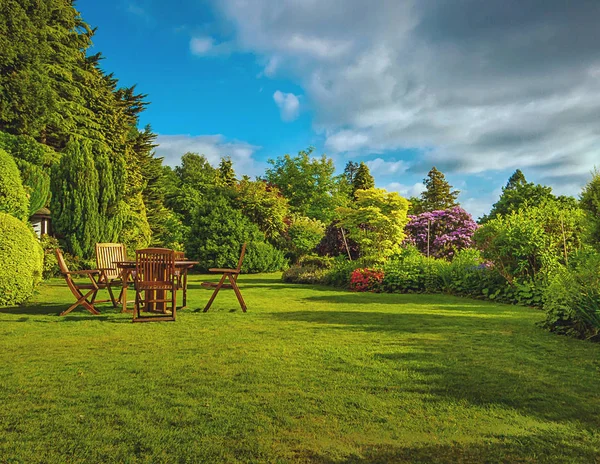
x: 475, y: 88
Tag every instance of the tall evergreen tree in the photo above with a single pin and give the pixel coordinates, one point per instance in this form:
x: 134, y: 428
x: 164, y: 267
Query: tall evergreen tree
x: 350, y: 171
x: 363, y: 179
x: 75, y: 194
x: 225, y: 173
x: 438, y: 192
x: 518, y: 194
x: 590, y: 202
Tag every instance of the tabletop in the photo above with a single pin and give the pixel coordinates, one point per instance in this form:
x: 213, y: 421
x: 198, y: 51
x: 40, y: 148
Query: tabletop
x: 178, y: 263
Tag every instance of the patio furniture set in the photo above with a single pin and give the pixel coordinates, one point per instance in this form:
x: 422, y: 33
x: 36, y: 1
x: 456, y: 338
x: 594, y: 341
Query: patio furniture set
x: 156, y: 275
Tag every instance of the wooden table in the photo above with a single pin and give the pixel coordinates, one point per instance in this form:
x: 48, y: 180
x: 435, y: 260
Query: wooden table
x: 127, y: 268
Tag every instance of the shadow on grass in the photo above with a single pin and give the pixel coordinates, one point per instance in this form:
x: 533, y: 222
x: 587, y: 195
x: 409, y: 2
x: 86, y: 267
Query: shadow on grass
x: 484, y: 362
x: 537, y: 447
x: 107, y: 313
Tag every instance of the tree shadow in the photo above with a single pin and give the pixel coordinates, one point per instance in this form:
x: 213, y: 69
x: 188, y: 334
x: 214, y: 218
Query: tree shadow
x: 537, y: 447
x: 107, y: 312
x: 467, y: 358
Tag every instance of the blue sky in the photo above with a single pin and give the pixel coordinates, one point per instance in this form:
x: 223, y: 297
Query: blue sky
x: 476, y: 89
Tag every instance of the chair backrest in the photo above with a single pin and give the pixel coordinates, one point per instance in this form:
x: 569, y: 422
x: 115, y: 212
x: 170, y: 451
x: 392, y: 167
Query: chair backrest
x: 154, y: 265
x: 179, y: 255
x: 239, y: 266
x: 107, y: 255
x: 62, y: 265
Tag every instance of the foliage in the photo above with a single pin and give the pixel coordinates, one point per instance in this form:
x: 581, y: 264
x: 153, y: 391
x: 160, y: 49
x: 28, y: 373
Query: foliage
x: 263, y: 205
x: 304, y: 274
x: 572, y: 298
x: 337, y: 243
x: 366, y: 280
x: 411, y: 272
x: 49, y: 244
x: 362, y: 180
x: 375, y: 221
x: 303, y: 235
x: 590, y: 202
x: 438, y: 193
x: 26, y: 148
x: 441, y: 233
x: 217, y: 233
x: 533, y: 240
x: 518, y: 194
x: 37, y: 185
x: 308, y: 183
x: 225, y: 173
x: 22, y: 260
x: 13, y: 198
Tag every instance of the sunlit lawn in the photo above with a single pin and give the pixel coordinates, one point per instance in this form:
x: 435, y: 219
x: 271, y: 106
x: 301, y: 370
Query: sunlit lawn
x: 309, y: 374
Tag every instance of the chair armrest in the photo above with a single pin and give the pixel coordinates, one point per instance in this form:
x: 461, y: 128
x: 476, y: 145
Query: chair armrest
x: 229, y: 271
x: 84, y: 272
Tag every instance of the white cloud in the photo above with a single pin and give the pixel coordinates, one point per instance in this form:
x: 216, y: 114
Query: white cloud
x: 474, y: 86
x: 214, y: 147
x: 406, y: 190
x: 379, y: 166
x: 201, y: 45
x: 288, y: 103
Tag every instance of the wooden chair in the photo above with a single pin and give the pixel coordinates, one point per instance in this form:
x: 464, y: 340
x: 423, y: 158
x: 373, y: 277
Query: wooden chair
x: 88, y: 299
x: 155, y: 277
x: 107, y: 255
x: 232, y: 275
x: 181, y: 277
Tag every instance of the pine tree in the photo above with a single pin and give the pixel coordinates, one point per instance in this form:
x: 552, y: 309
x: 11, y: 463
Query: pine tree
x: 590, y: 203
x: 74, y: 204
x: 350, y: 171
x: 225, y: 173
x: 438, y: 192
x: 363, y: 179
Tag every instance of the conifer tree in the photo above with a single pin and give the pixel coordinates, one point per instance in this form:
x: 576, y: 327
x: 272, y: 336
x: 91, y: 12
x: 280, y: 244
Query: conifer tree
x: 438, y: 192
x: 225, y: 173
x: 74, y: 204
x: 363, y: 179
x: 590, y: 202
x: 350, y: 171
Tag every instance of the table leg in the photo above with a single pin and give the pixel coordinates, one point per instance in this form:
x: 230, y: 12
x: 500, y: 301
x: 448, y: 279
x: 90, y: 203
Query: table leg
x: 125, y: 279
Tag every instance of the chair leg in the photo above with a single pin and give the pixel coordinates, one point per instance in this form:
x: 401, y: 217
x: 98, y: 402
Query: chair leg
x: 237, y: 292
x: 174, y: 302
x: 184, y: 288
x: 111, y: 294
x: 214, y: 295
x: 82, y: 300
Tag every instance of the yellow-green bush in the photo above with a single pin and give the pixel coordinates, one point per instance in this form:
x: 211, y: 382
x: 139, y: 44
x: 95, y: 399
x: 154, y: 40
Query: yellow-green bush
x: 13, y: 198
x: 22, y: 260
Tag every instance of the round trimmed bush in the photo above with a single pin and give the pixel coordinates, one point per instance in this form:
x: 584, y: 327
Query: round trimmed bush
x: 22, y: 259
x: 13, y: 198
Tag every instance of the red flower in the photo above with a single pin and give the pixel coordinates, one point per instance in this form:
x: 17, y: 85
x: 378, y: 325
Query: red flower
x: 366, y: 280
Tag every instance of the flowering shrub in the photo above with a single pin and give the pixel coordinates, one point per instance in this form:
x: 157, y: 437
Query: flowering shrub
x: 450, y: 230
x: 366, y: 280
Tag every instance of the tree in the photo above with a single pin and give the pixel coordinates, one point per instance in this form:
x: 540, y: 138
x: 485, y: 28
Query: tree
x: 518, y: 194
x: 303, y: 235
x: 438, y: 192
x: 441, y: 233
x: 350, y: 171
x: 376, y: 221
x: 363, y: 179
x: 308, y: 183
x: 75, y: 193
x: 13, y: 198
x: 225, y: 173
x: 590, y: 202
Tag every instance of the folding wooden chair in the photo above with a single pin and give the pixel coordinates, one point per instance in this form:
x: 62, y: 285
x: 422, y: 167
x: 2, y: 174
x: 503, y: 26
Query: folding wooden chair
x: 181, y: 276
x: 107, y: 255
x: 232, y: 275
x: 154, y: 277
x: 86, y: 300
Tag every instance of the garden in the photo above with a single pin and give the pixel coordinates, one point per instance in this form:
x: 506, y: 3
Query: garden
x: 379, y: 328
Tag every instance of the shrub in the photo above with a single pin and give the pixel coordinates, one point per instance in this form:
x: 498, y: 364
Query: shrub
x: 303, y: 235
x: 572, y: 298
x: 305, y: 274
x: 22, y: 260
x: 333, y: 244
x: 441, y: 233
x: 263, y: 257
x: 321, y: 262
x: 366, y: 280
x: 413, y: 273
x: 49, y: 244
x: 13, y: 198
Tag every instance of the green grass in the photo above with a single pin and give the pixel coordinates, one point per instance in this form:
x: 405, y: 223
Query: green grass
x: 309, y: 374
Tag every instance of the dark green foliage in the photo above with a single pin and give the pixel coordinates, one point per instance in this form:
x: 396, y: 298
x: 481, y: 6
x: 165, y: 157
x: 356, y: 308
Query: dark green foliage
x: 415, y: 206
x: 309, y: 184
x: 305, y: 274
x: 217, y: 234
x: 438, y: 192
x: 572, y: 298
x: 13, y: 197
x: 363, y: 179
x: 590, y: 202
x: 22, y: 259
x: 28, y: 149
x: 411, y: 272
x: 75, y: 199
x: 518, y: 194
x: 333, y: 243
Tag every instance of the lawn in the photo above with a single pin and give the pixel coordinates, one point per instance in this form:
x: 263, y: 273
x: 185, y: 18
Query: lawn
x: 308, y: 374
